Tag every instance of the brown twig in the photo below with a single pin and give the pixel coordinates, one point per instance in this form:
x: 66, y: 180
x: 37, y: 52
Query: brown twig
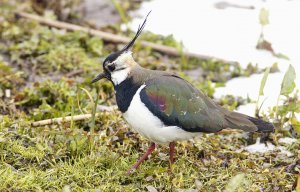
x: 114, y: 38
x: 74, y: 73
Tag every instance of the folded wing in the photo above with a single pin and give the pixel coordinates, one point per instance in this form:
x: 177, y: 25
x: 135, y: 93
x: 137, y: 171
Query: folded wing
x: 177, y: 103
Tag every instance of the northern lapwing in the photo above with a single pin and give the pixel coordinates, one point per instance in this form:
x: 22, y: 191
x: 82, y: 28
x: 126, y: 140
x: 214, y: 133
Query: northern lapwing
x: 165, y: 108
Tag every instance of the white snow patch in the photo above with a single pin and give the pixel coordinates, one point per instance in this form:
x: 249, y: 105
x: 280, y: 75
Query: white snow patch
x: 247, y: 109
x: 284, y: 151
x: 260, y: 147
x: 263, y: 148
x: 287, y: 140
x: 238, y: 28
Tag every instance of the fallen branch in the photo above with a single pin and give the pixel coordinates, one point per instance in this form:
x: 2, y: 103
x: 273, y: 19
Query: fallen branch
x: 71, y: 118
x: 74, y: 73
x: 113, y: 37
x: 62, y: 119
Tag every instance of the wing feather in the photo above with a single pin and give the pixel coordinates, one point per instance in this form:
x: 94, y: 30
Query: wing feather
x: 177, y: 103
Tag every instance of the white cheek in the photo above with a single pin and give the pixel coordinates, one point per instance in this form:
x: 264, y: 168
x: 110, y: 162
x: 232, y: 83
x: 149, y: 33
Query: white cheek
x: 118, y: 76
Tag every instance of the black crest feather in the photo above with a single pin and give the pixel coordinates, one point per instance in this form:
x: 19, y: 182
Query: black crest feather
x: 115, y: 55
x: 139, y: 31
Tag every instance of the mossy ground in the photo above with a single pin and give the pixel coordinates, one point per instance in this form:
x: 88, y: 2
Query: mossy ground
x: 42, y: 71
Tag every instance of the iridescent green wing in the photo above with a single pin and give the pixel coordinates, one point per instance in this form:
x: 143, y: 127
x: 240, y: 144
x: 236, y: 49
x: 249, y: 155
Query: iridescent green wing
x: 177, y: 103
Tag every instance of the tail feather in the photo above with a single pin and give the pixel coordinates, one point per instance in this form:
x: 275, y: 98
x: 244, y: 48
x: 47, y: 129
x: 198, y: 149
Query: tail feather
x: 246, y: 123
x: 262, y: 126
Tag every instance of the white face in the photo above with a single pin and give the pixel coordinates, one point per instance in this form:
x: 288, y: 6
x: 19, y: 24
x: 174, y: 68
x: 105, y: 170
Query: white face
x: 119, y: 76
x: 121, y: 68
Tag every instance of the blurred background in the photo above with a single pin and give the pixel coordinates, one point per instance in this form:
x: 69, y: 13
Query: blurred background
x: 260, y: 33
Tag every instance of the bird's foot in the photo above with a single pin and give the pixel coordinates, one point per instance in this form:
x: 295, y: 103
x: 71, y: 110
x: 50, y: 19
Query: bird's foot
x: 171, y: 157
x: 145, y: 156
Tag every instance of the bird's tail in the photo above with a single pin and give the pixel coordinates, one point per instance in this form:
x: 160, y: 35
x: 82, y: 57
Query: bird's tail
x: 246, y: 123
x: 262, y: 126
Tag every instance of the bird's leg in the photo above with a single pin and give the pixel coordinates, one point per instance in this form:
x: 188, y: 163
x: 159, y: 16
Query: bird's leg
x: 171, y: 155
x: 135, y: 166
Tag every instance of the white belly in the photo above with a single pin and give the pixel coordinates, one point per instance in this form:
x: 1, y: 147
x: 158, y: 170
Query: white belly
x: 150, y: 126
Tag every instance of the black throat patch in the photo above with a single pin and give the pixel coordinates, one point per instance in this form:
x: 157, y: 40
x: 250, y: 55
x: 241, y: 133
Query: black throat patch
x: 125, y: 92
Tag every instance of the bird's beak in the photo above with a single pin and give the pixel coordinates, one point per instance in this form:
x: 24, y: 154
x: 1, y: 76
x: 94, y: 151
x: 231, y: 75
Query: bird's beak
x: 99, y: 77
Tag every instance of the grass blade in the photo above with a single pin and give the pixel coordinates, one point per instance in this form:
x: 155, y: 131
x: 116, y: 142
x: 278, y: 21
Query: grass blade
x: 263, y: 81
x: 288, y: 84
x: 261, y: 89
x: 120, y: 10
x: 89, y: 95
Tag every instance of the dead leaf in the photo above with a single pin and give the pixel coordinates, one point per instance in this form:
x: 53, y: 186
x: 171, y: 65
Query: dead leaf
x: 151, y: 189
x: 265, y: 45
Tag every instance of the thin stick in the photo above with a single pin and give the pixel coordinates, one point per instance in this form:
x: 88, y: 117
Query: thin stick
x: 71, y: 118
x: 62, y: 119
x: 115, y: 38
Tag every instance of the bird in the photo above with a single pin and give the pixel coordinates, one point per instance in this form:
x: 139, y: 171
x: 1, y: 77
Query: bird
x: 165, y: 108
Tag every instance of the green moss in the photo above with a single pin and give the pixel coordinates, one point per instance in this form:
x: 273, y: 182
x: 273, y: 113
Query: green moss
x: 231, y: 102
x: 9, y: 78
x: 50, y: 158
x: 42, y: 50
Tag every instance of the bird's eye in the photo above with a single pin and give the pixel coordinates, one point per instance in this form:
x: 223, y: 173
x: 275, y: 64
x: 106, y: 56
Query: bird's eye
x: 111, y: 67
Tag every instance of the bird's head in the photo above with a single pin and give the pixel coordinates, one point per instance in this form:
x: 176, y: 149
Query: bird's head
x: 117, y: 66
